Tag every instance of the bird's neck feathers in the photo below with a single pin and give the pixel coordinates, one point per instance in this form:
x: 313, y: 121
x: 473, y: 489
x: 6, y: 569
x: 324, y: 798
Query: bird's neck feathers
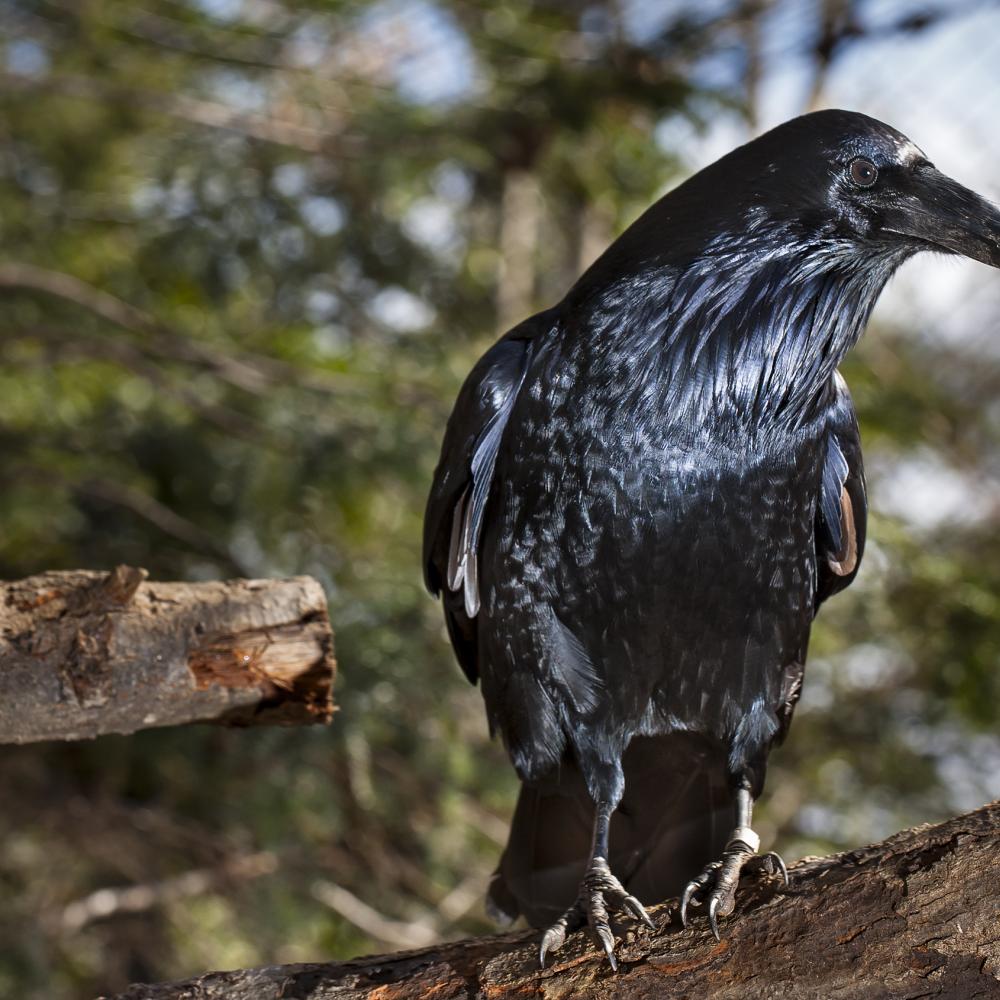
x: 750, y: 331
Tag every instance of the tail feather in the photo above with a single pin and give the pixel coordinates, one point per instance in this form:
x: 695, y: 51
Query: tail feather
x: 674, y: 818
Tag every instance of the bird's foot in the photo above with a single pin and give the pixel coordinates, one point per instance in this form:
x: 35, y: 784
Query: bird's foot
x: 598, y: 890
x: 716, y: 885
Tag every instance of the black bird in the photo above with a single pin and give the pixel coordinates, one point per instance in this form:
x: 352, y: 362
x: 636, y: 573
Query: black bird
x: 646, y: 492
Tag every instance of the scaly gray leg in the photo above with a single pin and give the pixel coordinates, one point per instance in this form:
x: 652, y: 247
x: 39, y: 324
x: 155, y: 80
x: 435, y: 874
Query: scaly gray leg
x: 717, y: 884
x: 599, y: 889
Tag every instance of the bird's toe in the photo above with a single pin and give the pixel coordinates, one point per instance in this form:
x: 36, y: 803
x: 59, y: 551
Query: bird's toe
x: 694, y: 889
x: 554, y: 938
x: 601, y: 888
x: 633, y: 906
x: 713, y: 916
x: 604, y: 935
x: 769, y: 864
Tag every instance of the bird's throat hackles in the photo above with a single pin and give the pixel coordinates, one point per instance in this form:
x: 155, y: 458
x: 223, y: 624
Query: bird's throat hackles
x: 750, y: 333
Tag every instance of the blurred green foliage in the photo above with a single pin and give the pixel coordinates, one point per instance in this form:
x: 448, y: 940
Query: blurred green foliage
x: 247, y: 253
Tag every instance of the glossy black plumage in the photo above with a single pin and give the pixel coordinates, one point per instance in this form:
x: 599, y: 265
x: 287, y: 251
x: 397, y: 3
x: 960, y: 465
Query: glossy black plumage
x: 646, y: 492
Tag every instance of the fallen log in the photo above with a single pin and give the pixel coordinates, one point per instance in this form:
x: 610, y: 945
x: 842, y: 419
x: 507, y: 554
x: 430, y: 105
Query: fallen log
x: 85, y: 653
x: 913, y: 917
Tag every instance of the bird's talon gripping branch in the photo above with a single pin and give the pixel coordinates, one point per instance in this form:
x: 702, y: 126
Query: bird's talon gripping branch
x: 716, y: 886
x: 718, y: 882
x: 598, y: 890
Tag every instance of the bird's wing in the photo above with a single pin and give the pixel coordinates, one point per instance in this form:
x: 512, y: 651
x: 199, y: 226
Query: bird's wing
x: 842, y: 512
x: 453, y: 521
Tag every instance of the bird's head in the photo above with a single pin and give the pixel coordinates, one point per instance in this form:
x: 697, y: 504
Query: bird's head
x: 848, y: 178
x: 754, y: 277
x: 827, y: 193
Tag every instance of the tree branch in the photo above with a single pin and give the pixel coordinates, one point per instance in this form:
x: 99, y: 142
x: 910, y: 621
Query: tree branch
x: 254, y: 374
x: 914, y: 916
x: 404, y: 934
x: 306, y: 136
x: 84, y: 653
x: 116, y: 900
x: 62, y: 346
x: 160, y: 516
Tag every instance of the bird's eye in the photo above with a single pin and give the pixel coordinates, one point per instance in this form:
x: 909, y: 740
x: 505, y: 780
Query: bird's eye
x: 864, y: 173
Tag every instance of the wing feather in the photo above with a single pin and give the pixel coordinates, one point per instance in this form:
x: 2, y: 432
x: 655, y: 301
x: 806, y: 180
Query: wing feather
x: 456, y: 550
x: 463, y: 482
x: 842, y: 511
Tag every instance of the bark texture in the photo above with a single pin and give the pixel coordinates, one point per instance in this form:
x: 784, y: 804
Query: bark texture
x: 85, y: 653
x: 913, y: 917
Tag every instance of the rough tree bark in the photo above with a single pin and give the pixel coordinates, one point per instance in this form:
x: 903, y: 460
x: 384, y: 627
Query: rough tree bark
x: 84, y: 653
x: 913, y: 917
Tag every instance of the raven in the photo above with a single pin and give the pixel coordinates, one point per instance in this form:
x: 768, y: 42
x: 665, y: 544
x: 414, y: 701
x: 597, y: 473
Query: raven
x: 646, y: 492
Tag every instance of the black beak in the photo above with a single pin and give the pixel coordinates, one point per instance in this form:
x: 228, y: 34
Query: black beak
x: 933, y: 209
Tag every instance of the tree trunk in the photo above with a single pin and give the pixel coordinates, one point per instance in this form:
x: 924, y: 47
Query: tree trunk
x: 915, y: 916
x: 520, y: 216
x: 84, y: 653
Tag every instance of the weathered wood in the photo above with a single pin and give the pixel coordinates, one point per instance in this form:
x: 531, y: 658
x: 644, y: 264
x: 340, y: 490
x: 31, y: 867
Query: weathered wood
x: 84, y: 653
x: 915, y: 916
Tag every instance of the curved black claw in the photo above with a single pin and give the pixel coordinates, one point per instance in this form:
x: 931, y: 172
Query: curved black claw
x: 713, y: 915
x: 695, y: 886
x: 717, y: 884
x: 598, y: 890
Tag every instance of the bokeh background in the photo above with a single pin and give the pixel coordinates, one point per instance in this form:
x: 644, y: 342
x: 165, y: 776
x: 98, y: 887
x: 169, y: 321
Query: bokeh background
x: 248, y: 251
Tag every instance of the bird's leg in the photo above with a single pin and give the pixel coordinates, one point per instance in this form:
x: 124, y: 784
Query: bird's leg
x: 599, y: 889
x: 717, y: 884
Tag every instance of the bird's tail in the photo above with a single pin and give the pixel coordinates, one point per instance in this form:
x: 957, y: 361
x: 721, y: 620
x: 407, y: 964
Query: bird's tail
x: 673, y: 819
